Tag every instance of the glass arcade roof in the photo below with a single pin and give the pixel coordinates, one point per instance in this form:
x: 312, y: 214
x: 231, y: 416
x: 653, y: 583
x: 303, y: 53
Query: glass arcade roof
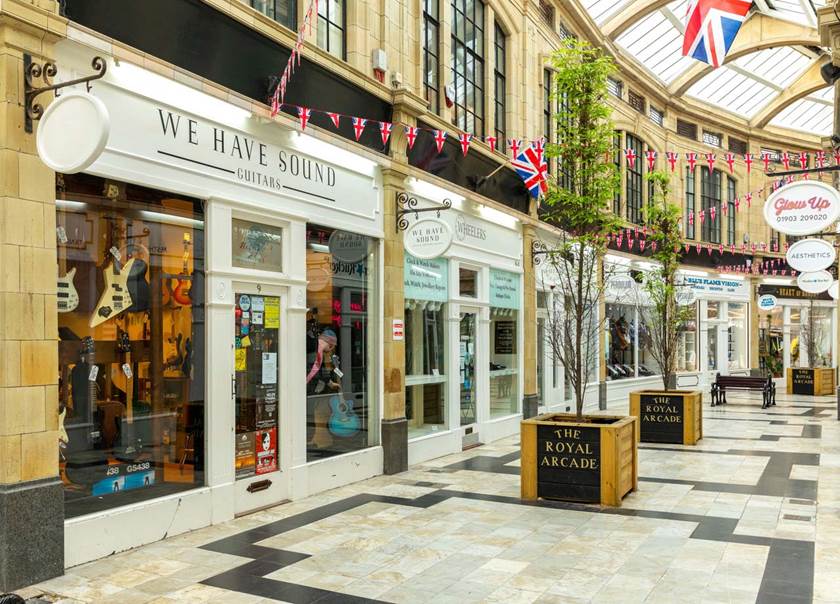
x: 750, y: 83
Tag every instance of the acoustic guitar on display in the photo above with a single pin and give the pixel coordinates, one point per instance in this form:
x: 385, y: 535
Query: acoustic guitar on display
x: 68, y: 297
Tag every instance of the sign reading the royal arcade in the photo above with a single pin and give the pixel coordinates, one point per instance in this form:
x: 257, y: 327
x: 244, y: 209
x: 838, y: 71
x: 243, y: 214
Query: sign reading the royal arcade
x: 802, y: 208
x: 802, y: 381
x: 662, y: 417
x: 809, y: 255
x: 569, y: 462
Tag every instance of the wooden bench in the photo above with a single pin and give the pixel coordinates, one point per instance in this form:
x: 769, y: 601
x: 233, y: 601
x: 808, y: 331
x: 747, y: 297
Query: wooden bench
x: 743, y: 382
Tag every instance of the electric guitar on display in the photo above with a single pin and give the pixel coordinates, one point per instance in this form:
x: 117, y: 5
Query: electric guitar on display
x: 68, y: 297
x: 181, y: 292
x: 115, y: 298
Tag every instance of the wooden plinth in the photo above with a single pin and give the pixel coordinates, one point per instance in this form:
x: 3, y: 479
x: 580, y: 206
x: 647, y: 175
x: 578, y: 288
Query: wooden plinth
x: 565, y: 459
x: 814, y: 381
x: 668, y: 416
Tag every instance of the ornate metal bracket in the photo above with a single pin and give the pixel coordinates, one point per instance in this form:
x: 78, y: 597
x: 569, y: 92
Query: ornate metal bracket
x: 32, y: 72
x: 538, y: 248
x: 408, y: 205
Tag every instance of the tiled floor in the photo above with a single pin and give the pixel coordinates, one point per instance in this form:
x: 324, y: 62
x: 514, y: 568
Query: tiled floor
x: 751, y: 514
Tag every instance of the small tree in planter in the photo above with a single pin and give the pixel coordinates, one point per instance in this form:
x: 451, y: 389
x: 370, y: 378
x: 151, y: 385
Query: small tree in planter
x: 816, y: 378
x: 579, y: 457
x: 669, y: 415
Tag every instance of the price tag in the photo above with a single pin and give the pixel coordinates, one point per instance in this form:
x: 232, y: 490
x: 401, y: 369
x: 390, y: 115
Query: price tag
x: 94, y: 371
x: 127, y: 370
x: 61, y: 233
x: 115, y: 253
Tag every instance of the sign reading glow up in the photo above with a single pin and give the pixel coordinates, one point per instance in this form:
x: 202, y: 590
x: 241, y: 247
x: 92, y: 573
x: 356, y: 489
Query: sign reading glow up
x: 802, y: 208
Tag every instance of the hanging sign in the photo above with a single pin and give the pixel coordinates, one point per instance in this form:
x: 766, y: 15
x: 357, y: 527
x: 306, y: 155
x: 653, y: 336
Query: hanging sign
x: 767, y: 302
x: 427, y: 238
x: 73, y: 132
x: 809, y: 255
x: 685, y: 296
x: 834, y: 291
x: 802, y: 208
x: 621, y: 283
x: 349, y: 247
x: 816, y: 282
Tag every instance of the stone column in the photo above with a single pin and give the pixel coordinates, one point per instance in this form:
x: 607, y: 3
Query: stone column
x: 530, y: 400
x: 407, y: 106
x: 31, y: 494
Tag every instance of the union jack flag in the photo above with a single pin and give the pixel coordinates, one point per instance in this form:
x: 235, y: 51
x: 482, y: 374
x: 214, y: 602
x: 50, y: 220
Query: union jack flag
x: 711, y: 27
x: 532, y: 167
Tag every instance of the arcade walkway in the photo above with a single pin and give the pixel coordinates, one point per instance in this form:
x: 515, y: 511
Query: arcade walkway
x: 752, y: 514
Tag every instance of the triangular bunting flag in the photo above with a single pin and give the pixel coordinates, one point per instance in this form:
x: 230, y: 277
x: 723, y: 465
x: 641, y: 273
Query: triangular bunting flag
x: 304, y: 113
x: 385, y: 131
x: 465, y: 139
x: 359, y: 124
x: 440, y: 138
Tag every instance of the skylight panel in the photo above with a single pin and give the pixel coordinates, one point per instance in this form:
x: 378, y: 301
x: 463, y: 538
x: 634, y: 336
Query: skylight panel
x: 599, y: 10
x: 655, y: 43
x: 780, y: 66
x: 806, y: 115
x: 733, y: 91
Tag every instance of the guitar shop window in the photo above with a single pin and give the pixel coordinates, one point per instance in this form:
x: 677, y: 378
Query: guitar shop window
x: 340, y: 361
x: 426, y: 292
x: 131, y: 343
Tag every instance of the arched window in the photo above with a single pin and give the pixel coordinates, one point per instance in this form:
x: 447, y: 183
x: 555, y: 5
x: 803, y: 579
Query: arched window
x: 710, y: 197
x: 468, y: 64
x: 730, y: 200
x: 331, y: 27
x: 634, y: 180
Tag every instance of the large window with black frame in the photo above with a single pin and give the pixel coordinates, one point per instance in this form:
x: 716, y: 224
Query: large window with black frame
x: 431, y: 49
x: 634, y: 181
x: 332, y: 26
x: 710, y: 197
x: 500, y: 86
x: 730, y: 207
x: 468, y: 64
x: 617, y: 162
x: 690, y: 202
x: 547, y: 113
x: 282, y: 11
x: 130, y: 343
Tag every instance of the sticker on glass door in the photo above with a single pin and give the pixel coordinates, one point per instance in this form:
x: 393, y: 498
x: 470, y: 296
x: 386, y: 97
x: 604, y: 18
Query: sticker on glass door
x: 256, y: 365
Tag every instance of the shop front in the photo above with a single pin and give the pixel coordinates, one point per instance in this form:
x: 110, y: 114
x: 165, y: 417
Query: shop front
x: 785, y: 324
x: 219, y: 315
x: 463, y: 332
x: 717, y: 339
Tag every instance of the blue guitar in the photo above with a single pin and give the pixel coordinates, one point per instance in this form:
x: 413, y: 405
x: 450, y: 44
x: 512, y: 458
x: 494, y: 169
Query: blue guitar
x: 343, y: 419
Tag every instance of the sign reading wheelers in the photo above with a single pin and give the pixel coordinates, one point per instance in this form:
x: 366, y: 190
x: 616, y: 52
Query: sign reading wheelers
x: 802, y: 208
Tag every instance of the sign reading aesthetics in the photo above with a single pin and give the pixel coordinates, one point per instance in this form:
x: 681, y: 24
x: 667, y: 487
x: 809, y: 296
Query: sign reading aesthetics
x: 802, y: 208
x: 427, y: 238
x: 504, y: 289
x: 809, y: 255
x: 426, y: 279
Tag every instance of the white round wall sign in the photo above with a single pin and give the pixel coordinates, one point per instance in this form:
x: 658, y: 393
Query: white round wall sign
x: 804, y: 207
x: 73, y: 132
x: 621, y: 283
x: 686, y: 296
x: 349, y: 247
x: 427, y: 238
x: 834, y: 290
x: 814, y: 283
x: 767, y: 302
x: 809, y: 255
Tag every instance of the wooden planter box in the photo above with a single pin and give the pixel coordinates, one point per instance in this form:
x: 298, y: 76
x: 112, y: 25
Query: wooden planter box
x: 816, y: 381
x: 668, y: 416
x: 579, y: 461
